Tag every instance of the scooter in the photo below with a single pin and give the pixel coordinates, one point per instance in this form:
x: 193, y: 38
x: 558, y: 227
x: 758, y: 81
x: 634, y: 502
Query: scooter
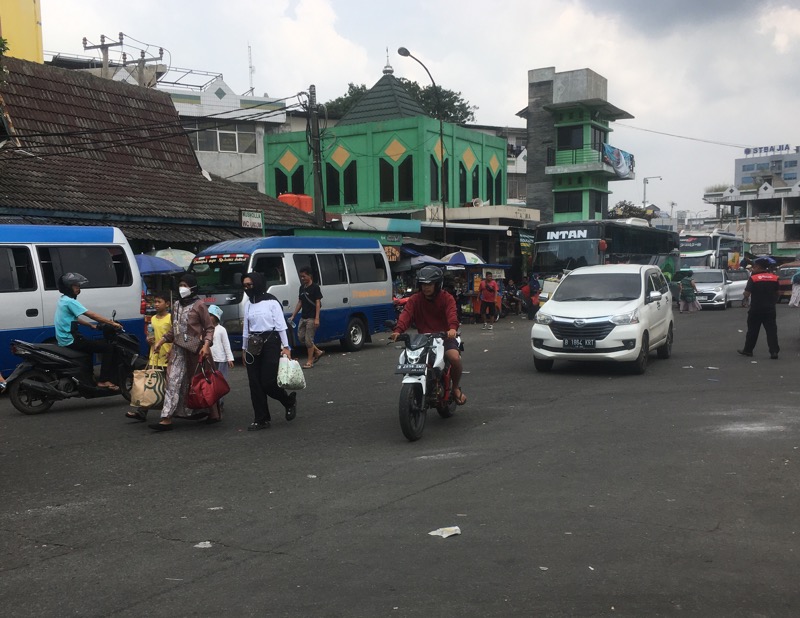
x: 49, y: 372
x: 426, y: 381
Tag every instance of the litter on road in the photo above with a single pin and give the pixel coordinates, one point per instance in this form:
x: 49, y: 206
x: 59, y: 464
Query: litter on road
x: 446, y: 532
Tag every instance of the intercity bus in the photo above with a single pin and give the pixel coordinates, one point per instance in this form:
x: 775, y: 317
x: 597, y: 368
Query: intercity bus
x: 714, y: 249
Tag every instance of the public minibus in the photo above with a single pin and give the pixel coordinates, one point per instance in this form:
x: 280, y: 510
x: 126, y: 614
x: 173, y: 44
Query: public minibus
x: 353, y: 275
x: 33, y: 257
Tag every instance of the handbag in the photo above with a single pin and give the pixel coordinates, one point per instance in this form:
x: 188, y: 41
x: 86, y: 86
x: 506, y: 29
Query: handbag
x: 149, y: 387
x: 207, y: 387
x: 290, y: 375
x: 188, y: 342
x: 255, y: 343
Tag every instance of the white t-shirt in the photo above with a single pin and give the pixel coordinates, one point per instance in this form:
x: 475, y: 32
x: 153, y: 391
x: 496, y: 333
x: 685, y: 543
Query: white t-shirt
x: 264, y: 317
x: 221, y: 345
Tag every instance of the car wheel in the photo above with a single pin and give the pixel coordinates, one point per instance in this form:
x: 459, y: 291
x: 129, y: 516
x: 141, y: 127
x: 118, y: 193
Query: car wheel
x: 665, y: 350
x: 639, y: 366
x: 542, y: 365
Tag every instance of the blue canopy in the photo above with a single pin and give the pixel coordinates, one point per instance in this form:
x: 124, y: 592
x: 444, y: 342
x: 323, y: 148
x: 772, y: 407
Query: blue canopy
x: 152, y: 265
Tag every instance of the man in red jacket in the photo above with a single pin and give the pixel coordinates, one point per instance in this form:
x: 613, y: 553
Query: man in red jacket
x: 433, y: 311
x: 763, y: 292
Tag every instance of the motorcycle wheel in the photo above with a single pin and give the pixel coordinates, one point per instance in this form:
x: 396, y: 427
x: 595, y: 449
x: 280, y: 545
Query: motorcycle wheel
x: 125, y: 383
x: 446, y: 407
x: 412, y: 412
x: 25, y: 401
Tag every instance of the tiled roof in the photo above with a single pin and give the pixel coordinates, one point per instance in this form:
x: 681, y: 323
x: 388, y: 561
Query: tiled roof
x: 92, y: 149
x: 386, y: 100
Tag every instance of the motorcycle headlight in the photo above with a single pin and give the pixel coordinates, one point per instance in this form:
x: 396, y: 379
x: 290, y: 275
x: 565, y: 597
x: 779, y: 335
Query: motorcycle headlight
x: 632, y: 317
x: 543, y: 318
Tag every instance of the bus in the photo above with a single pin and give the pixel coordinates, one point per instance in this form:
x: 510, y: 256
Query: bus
x: 714, y: 249
x: 561, y: 247
x: 353, y: 275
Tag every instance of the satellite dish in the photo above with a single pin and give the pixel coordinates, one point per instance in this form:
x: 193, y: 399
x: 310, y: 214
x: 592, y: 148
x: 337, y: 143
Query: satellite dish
x: 477, y: 202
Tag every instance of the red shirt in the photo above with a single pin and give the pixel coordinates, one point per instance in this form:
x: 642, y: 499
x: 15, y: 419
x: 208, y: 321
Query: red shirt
x: 430, y: 316
x: 488, y: 290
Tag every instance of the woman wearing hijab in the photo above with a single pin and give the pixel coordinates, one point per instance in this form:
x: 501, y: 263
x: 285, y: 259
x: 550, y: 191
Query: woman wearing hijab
x: 190, y: 321
x: 264, y: 340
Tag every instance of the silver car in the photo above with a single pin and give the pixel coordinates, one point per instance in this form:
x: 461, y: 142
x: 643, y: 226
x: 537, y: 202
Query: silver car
x: 720, y: 288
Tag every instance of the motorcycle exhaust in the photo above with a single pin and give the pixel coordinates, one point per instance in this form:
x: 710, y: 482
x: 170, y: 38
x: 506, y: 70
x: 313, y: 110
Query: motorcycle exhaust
x: 41, y: 388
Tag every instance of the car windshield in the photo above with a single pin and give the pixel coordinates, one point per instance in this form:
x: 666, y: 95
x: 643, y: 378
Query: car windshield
x: 786, y: 273
x: 599, y: 287
x: 708, y: 277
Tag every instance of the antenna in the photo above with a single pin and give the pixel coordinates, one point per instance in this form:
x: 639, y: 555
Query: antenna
x: 251, y: 68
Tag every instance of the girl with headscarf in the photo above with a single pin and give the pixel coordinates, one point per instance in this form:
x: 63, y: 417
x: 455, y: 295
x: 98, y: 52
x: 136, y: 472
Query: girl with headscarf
x: 190, y: 317
x: 264, y: 340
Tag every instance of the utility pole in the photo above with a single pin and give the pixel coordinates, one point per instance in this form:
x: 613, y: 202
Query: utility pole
x: 103, y: 47
x: 140, y: 65
x: 316, y: 156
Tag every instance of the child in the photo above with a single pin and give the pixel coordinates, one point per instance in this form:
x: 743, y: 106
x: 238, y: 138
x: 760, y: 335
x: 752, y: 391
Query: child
x: 221, y: 347
x: 159, y: 325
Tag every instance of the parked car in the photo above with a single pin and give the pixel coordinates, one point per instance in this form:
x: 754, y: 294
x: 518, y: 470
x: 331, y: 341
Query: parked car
x: 619, y: 312
x: 785, y: 274
x: 715, y: 287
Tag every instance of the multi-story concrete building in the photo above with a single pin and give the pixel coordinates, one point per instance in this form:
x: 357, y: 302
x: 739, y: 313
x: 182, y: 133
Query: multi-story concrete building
x: 569, y: 160
x: 777, y: 165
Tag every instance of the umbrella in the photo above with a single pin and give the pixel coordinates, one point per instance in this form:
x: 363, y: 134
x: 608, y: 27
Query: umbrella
x: 152, y: 265
x: 463, y: 258
x: 178, y: 256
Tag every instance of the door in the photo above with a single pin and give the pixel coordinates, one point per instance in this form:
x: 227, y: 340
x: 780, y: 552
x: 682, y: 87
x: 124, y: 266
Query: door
x: 21, y: 298
x: 336, y: 299
x: 658, y: 311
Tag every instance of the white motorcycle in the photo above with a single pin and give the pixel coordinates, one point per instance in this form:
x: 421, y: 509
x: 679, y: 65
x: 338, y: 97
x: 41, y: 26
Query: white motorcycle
x: 426, y: 381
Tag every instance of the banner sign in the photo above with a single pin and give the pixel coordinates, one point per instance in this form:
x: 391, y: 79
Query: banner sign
x: 621, y: 161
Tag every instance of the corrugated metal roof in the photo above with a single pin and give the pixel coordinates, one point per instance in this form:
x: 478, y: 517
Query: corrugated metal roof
x: 106, y: 152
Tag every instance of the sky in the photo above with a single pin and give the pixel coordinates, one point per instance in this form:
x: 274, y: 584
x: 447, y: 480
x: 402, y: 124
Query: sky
x: 704, y: 79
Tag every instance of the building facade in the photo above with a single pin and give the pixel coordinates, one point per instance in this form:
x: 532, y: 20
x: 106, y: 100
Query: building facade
x: 570, y: 162
x: 776, y: 165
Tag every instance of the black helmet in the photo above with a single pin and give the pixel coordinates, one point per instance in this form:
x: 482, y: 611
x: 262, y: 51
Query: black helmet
x: 67, y: 280
x: 430, y: 274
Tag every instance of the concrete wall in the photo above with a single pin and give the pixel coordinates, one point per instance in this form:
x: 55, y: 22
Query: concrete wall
x: 541, y: 136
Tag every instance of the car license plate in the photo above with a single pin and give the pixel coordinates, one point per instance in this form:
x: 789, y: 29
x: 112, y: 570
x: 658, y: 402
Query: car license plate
x: 414, y: 369
x: 579, y: 344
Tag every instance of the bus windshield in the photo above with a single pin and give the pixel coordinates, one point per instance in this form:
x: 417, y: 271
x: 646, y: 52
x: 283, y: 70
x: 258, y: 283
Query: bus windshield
x: 697, y: 243
x: 565, y: 255
x: 219, y: 273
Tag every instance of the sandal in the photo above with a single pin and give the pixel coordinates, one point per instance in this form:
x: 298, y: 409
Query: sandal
x: 461, y: 398
x: 318, y: 355
x: 308, y: 365
x: 136, y: 415
x: 109, y: 385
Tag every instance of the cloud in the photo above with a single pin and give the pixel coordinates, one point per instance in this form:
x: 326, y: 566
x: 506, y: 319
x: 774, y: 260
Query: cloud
x: 783, y: 24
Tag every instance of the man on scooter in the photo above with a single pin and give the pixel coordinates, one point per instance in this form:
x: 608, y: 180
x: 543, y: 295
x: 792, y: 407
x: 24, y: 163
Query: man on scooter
x: 69, y: 310
x: 433, y: 310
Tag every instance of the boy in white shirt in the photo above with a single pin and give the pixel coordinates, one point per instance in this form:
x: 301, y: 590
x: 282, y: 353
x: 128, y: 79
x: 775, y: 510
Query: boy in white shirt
x: 221, y: 347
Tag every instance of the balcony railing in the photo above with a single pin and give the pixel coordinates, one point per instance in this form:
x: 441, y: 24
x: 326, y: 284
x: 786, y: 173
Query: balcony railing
x: 587, y: 154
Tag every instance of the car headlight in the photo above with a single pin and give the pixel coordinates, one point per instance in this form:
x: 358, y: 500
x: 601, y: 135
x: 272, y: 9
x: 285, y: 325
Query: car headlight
x: 543, y: 318
x: 631, y: 317
x: 717, y: 289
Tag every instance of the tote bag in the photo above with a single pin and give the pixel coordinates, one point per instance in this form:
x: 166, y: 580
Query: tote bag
x: 149, y: 386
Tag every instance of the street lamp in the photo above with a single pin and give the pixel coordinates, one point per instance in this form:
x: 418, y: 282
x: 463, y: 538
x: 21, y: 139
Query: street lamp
x: 644, y: 189
x: 407, y: 54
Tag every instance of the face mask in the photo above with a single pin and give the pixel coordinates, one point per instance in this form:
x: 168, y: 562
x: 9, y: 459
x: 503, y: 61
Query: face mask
x: 250, y: 293
x: 184, y: 292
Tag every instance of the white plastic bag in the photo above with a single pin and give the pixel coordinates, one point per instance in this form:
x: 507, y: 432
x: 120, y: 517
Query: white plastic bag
x: 290, y: 375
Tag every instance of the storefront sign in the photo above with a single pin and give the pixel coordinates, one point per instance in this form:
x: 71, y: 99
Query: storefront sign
x: 768, y: 150
x: 252, y: 219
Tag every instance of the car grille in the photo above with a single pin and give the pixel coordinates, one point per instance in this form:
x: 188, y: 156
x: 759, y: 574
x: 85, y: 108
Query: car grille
x: 595, y: 330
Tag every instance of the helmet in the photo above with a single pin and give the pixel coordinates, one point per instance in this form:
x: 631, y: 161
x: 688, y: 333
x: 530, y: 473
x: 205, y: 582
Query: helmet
x: 430, y: 274
x: 67, y: 280
x: 215, y: 311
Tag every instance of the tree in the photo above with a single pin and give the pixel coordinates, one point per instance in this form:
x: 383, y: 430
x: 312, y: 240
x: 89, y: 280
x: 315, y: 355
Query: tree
x: 625, y: 209
x: 455, y: 108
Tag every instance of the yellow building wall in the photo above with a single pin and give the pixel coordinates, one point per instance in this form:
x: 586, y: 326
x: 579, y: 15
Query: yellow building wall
x: 21, y: 26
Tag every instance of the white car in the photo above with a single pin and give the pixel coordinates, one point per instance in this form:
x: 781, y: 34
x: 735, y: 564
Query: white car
x: 617, y: 312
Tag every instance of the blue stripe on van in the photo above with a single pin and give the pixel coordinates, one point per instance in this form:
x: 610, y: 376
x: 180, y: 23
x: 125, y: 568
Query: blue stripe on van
x: 248, y: 245
x: 55, y: 233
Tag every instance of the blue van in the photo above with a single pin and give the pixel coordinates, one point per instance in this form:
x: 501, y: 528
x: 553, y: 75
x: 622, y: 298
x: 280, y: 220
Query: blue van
x: 353, y: 274
x: 33, y: 257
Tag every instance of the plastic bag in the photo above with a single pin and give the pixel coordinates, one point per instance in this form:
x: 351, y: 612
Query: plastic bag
x: 290, y: 375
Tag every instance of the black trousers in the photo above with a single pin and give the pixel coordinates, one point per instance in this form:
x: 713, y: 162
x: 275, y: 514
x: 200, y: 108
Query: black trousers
x: 262, y: 374
x: 757, y: 319
x: 108, y: 358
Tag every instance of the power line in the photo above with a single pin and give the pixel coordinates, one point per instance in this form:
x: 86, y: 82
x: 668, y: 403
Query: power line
x: 686, y: 137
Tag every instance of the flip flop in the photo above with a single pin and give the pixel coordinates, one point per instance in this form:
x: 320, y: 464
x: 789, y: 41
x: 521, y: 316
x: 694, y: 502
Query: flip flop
x: 135, y: 415
x: 318, y: 355
x: 308, y: 366
x: 461, y: 399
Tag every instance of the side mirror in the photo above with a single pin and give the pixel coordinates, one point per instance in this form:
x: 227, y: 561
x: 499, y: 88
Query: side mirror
x: 654, y: 296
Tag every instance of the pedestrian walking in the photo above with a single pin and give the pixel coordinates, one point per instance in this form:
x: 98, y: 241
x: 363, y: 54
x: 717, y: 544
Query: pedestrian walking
x: 264, y: 341
x: 221, y: 352
x: 763, y: 293
x: 794, y: 301
x: 687, y: 294
x: 309, y: 304
x: 487, y: 292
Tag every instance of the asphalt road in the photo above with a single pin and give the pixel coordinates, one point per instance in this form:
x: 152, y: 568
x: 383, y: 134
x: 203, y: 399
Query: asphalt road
x: 583, y: 492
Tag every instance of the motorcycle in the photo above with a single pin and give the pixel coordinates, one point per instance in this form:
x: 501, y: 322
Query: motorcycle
x: 426, y: 381
x: 49, y: 372
x: 510, y: 302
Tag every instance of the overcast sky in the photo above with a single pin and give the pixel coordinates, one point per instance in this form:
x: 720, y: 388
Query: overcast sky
x: 715, y: 75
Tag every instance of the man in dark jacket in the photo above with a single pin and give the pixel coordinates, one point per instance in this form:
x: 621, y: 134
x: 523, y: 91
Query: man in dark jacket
x: 762, y: 290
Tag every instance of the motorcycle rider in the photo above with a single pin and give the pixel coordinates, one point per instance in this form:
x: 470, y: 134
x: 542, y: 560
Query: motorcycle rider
x: 433, y: 310
x: 69, y: 310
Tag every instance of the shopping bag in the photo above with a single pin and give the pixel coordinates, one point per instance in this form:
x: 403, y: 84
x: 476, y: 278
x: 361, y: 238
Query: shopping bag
x: 290, y: 375
x: 149, y: 386
x: 207, y: 387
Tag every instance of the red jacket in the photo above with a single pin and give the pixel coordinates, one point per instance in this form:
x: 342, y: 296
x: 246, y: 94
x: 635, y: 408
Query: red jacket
x: 430, y: 316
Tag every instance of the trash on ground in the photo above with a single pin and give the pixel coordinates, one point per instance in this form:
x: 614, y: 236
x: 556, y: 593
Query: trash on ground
x: 543, y: 568
x: 446, y: 532
x: 712, y: 367
x: 216, y: 508
x: 311, y: 476
x: 687, y: 367
x: 203, y: 545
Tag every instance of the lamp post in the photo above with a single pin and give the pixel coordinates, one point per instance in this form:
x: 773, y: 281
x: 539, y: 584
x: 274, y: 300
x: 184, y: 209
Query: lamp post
x: 644, y: 189
x: 407, y: 54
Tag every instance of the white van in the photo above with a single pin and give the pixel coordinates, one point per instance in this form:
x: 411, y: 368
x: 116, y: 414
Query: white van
x: 33, y: 257
x: 353, y: 275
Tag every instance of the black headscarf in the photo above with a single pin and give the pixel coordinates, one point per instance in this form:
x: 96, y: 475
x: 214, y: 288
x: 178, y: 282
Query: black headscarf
x: 259, y: 290
x: 191, y: 281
